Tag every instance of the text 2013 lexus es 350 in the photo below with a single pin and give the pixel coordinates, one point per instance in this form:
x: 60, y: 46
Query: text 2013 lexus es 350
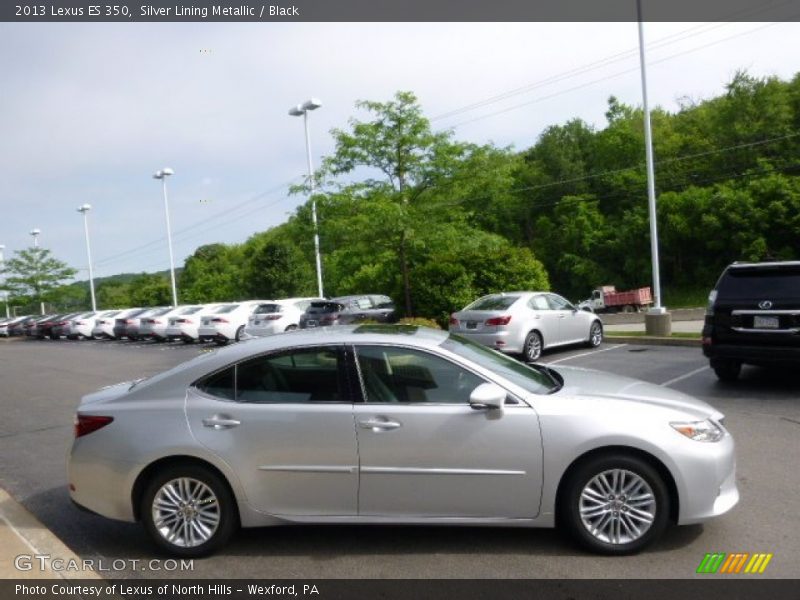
x: 396, y: 424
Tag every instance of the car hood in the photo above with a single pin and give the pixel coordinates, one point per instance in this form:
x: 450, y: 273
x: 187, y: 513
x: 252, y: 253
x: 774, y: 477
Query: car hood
x: 591, y: 384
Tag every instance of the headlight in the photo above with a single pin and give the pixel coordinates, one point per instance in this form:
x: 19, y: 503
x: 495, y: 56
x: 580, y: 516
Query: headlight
x: 699, y: 431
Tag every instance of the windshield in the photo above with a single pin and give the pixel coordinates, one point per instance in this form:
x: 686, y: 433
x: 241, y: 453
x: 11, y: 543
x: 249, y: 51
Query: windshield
x: 494, y: 302
x: 532, y: 379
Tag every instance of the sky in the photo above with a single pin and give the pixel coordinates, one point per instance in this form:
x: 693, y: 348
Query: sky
x: 89, y: 111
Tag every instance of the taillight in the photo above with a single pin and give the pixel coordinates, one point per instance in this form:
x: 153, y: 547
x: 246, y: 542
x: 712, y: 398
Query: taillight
x: 128, y: 321
x: 156, y: 322
x: 183, y: 320
x: 272, y: 317
x: 219, y: 320
x: 85, y: 424
x: 453, y: 320
x: 504, y: 320
x: 329, y: 319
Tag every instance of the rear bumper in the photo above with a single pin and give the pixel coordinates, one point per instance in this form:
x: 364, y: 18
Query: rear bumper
x: 754, y: 355
x: 499, y: 340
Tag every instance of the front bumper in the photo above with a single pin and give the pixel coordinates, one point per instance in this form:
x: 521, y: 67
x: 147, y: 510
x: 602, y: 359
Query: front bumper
x: 707, y: 480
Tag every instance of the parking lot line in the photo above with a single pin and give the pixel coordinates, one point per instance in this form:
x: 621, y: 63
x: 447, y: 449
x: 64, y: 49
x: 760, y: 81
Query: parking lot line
x: 669, y: 382
x: 614, y: 347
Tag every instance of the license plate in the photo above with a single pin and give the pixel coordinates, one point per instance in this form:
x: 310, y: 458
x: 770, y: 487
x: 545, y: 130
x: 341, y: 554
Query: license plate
x: 311, y: 323
x: 765, y: 322
x: 472, y: 324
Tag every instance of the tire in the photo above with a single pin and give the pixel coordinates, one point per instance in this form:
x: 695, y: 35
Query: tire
x: 628, y: 308
x: 726, y: 369
x: 621, y: 524
x: 221, y: 342
x: 187, y: 340
x: 239, y: 333
x: 291, y: 328
x: 595, y: 335
x: 203, y: 532
x: 532, y: 349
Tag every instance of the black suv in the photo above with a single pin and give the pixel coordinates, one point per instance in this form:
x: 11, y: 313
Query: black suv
x: 753, y: 317
x: 346, y: 310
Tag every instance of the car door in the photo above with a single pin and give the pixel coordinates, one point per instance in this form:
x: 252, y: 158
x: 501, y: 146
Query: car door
x: 424, y: 452
x: 284, y: 423
x: 546, y: 320
x: 574, y: 326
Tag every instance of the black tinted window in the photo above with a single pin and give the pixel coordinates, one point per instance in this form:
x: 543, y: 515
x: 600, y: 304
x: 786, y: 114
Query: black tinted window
x: 305, y: 375
x: 219, y: 384
x: 267, y: 309
x: 749, y: 282
x: 324, y: 307
x: 393, y: 375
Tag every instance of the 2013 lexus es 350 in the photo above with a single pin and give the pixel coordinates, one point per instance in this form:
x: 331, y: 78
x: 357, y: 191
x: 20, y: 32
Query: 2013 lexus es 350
x: 396, y: 424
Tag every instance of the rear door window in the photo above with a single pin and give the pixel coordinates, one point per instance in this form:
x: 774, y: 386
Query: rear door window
x: 497, y: 302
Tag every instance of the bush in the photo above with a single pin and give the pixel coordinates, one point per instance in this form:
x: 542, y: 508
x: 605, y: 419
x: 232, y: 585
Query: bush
x: 420, y: 322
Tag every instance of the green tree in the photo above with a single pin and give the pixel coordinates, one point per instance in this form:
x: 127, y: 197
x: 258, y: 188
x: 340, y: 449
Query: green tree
x: 213, y: 274
x: 275, y: 268
x: 35, y: 273
x: 397, y: 143
x: 150, y: 290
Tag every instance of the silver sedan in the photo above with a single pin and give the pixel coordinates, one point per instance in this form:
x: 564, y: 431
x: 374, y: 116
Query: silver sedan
x: 526, y: 323
x: 396, y: 424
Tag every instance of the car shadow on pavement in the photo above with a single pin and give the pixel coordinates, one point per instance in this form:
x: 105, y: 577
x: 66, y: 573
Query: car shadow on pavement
x: 92, y: 536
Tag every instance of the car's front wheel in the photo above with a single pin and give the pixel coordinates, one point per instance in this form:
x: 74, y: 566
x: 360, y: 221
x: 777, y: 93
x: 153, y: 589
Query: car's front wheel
x: 615, y: 504
x: 188, y: 511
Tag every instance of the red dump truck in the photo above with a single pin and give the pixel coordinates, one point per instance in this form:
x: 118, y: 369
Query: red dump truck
x: 606, y: 298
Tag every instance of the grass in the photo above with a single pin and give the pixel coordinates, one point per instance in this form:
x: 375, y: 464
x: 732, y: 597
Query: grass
x: 676, y: 334
x: 685, y: 298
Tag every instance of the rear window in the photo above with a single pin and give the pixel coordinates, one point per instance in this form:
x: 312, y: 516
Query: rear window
x: 496, y: 302
x: 191, y: 310
x: 160, y: 311
x: 227, y: 309
x: 325, y: 307
x: 745, y: 283
x: 267, y: 309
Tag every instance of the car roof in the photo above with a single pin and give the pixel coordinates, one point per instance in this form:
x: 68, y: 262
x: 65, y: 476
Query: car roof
x: 755, y: 265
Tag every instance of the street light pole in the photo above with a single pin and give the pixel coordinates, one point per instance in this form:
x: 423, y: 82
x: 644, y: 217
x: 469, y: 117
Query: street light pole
x: 302, y: 109
x: 162, y: 175
x: 35, y: 233
x: 651, y: 184
x: 85, y: 208
x: 2, y: 265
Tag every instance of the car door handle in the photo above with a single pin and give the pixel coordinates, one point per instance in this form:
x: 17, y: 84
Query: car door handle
x: 379, y: 425
x: 219, y: 423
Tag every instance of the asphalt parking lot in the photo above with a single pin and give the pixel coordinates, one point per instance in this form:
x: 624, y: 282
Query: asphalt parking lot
x: 42, y: 382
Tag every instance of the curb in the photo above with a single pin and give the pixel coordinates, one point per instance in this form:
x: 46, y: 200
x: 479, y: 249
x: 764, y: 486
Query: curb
x: 23, y: 534
x: 653, y: 341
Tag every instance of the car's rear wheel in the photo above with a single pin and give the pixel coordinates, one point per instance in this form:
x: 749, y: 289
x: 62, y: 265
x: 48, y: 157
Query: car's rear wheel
x: 595, y: 335
x: 726, y: 369
x: 291, y: 328
x: 532, y: 349
x: 188, y: 510
x: 239, y: 333
x: 615, y: 504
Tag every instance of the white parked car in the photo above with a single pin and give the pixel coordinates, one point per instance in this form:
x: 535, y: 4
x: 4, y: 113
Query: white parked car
x: 228, y: 323
x: 154, y: 326
x: 276, y: 316
x: 104, y: 323
x: 185, y: 325
x: 81, y: 326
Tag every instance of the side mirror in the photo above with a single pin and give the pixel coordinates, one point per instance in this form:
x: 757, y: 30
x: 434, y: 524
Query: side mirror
x: 487, y: 395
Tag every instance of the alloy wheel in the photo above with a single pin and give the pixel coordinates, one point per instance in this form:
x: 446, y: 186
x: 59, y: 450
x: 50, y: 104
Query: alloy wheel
x: 186, y: 512
x: 617, y: 506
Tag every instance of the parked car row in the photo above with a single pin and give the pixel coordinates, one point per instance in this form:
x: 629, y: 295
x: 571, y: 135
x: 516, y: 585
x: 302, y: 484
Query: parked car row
x: 518, y: 323
x: 217, y: 322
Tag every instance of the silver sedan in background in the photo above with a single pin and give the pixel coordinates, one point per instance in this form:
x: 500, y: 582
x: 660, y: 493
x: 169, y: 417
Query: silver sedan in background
x: 526, y: 323
x: 396, y: 424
